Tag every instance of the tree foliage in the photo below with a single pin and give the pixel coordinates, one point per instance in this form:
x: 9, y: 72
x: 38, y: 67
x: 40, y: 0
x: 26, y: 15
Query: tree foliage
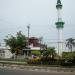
x: 49, y: 52
x: 16, y: 43
x: 68, y: 55
x: 70, y: 43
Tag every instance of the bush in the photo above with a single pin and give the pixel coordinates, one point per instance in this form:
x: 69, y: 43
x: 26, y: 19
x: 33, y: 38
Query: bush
x: 43, y: 60
x: 34, y: 61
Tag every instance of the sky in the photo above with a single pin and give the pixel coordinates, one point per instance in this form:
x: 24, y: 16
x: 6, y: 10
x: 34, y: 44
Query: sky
x: 15, y: 15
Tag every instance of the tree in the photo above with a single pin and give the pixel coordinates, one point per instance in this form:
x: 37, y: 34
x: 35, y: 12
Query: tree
x: 17, y: 43
x: 68, y: 55
x: 49, y: 52
x: 70, y: 43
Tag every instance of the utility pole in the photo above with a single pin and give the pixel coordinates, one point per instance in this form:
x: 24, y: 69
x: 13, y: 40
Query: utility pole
x: 28, y: 27
x: 40, y: 39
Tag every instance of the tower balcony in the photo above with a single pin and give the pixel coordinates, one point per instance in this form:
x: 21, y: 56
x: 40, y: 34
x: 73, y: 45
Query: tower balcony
x: 59, y: 24
x: 59, y: 6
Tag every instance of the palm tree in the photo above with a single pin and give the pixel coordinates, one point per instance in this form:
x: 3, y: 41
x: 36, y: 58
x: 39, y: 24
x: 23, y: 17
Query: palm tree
x: 70, y: 43
x: 49, y: 52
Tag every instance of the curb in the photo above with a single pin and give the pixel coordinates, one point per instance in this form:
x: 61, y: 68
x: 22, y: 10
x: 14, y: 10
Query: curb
x: 37, y: 68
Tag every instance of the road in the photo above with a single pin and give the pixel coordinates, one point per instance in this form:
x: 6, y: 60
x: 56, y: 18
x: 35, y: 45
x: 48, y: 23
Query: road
x: 5, y: 71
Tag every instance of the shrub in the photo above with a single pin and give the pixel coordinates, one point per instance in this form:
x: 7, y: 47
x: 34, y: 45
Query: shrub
x: 34, y: 61
x: 43, y: 60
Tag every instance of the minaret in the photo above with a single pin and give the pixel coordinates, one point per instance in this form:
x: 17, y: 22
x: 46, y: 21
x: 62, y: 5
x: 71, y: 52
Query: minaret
x: 59, y: 26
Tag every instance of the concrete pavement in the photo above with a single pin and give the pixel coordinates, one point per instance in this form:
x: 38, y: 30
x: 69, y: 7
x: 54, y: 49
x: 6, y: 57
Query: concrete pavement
x: 24, y: 66
x: 5, y: 71
x: 37, y: 68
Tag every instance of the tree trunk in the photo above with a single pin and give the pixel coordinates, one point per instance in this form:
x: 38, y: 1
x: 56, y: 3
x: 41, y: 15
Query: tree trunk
x: 71, y: 48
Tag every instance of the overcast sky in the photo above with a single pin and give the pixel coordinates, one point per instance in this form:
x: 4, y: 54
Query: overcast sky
x: 15, y: 15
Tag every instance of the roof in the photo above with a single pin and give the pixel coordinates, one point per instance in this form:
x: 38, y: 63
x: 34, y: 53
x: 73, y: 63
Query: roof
x: 34, y: 38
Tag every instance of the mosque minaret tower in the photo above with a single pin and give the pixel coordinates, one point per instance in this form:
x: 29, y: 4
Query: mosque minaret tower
x: 59, y: 26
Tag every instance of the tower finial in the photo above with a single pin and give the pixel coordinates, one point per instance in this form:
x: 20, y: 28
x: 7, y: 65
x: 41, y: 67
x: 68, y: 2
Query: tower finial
x: 58, y: 1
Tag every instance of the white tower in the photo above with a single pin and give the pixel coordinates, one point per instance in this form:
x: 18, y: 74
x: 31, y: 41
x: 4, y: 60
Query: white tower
x: 59, y: 26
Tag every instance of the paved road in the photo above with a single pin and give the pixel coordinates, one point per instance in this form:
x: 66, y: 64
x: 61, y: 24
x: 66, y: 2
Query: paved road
x: 5, y: 71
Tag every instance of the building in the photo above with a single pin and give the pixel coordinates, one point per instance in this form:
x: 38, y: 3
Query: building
x: 59, y: 26
x: 5, y: 53
x: 34, y: 44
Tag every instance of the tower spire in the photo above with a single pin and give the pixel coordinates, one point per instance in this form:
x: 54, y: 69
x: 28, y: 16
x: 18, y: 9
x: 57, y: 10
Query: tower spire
x: 59, y: 23
x: 59, y: 5
x: 58, y: 1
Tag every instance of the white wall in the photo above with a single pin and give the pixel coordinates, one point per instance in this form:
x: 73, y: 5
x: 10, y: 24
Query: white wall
x: 5, y: 53
x: 8, y: 54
